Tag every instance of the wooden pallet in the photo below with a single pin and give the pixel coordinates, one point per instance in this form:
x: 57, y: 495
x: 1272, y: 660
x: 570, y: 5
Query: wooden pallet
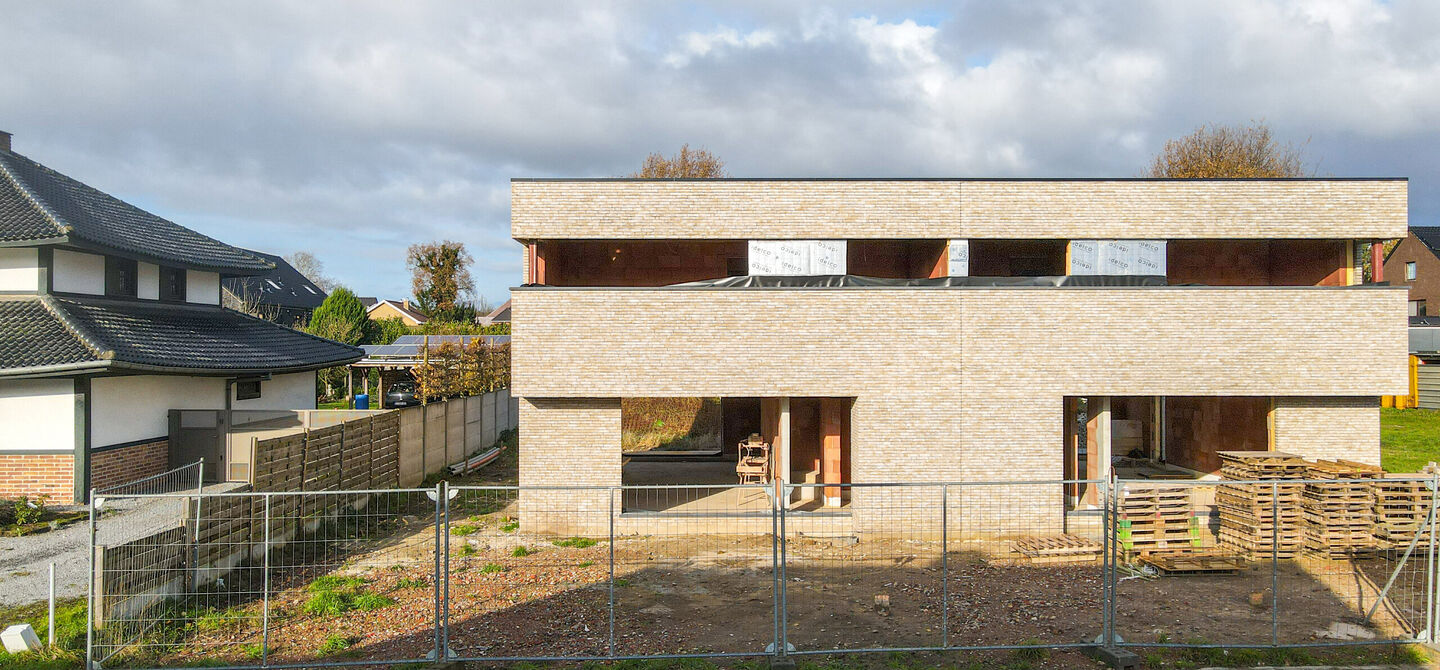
x: 1059, y: 549
x: 1206, y: 562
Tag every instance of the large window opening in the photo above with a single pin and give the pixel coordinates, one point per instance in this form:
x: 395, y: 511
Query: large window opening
x: 1156, y: 437
x: 716, y: 445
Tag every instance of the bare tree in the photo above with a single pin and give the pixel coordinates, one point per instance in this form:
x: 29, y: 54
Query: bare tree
x: 1228, y: 151
x: 308, y: 265
x: 689, y: 163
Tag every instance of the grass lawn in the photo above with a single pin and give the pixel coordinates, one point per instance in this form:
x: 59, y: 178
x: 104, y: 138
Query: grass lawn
x: 1409, y: 438
x: 69, y: 636
x: 338, y: 404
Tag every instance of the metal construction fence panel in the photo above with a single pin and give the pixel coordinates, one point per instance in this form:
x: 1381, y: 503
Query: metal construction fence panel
x: 502, y: 573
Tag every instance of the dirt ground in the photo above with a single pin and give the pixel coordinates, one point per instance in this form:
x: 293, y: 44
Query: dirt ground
x: 515, y: 595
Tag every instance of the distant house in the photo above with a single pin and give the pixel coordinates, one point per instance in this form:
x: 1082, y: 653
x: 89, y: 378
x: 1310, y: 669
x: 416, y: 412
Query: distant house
x: 393, y: 309
x: 500, y: 314
x: 282, y: 295
x: 1415, y: 263
x: 110, y: 318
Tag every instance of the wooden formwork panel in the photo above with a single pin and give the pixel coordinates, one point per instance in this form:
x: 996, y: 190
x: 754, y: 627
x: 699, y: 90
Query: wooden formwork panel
x: 140, y: 565
x: 356, y: 451
x: 280, y: 463
x: 322, y: 458
x: 385, y: 451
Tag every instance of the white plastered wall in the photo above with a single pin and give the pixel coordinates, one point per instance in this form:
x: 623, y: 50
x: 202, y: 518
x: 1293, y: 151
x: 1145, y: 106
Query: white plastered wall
x: 76, y: 272
x: 125, y: 409
x: 20, y: 269
x: 147, y: 284
x: 202, y: 287
x: 37, y: 414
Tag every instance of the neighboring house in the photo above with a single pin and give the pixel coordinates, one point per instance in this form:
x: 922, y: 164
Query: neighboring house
x: 500, y: 314
x: 393, y: 309
x: 1415, y: 263
x: 110, y: 317
x: 953, y: 330
x: 282, y: 295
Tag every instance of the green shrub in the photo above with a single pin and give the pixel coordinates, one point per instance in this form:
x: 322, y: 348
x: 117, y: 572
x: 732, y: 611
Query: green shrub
x: 29, y: 511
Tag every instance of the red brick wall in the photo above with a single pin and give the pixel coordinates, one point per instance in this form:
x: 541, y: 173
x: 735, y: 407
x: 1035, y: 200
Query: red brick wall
x: 118, y: 466
x: 38, y: 474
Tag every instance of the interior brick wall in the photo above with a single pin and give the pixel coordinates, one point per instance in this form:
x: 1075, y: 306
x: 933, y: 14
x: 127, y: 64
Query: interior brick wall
x: 38, y: 474
x: 118, y: 466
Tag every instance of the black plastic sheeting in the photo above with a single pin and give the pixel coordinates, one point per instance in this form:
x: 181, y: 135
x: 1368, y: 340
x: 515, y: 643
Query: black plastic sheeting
x: 856, y: 281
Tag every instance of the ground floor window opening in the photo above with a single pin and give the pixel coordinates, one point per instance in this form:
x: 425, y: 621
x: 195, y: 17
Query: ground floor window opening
x: 1156, y: 437
x: 713, y: 445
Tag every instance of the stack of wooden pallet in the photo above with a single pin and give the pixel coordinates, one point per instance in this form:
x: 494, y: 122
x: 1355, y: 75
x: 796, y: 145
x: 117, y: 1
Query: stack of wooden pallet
x: 1339, y: 513
x: 1059, y: 549
x: 1156, y: 516
x: 1402, y: 503
x: 1263, y: 516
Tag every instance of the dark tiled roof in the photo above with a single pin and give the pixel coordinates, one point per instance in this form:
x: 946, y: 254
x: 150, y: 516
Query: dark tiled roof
x: 33, y: 336
x: 37, y: 203
x: 47, y: 331
x: 283, y: 286
x: 1429, y: 235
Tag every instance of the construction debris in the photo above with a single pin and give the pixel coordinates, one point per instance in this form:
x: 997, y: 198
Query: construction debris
x: 1059, y: 549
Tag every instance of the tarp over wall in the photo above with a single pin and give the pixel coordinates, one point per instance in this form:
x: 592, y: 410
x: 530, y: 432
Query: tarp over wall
x: 856, y: 281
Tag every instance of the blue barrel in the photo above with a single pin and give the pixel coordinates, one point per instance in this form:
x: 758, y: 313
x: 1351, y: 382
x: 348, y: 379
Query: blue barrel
x: 362, y: 401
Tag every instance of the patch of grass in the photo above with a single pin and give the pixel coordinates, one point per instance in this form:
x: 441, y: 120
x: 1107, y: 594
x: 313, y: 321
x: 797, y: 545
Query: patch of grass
x: 510, y: 526
x: 335, y: 644
x: 466, y: 550
x: 622, y: 582
x: 212, y: 620
x: 464, y: 529
x: 492, y: 568
x: 335, y: 584
x: 253, y: 651
x: 587, y: 564
x: 1409, y: 438
x: 522, y: 551
x: 369, y: 602
x: 1032, y: 652
x: 327, y: 604
x: 575, y: 542
x: 413, y: 583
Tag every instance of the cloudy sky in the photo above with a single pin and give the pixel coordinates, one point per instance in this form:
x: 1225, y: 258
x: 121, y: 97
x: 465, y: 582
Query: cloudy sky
x: 352, y: 129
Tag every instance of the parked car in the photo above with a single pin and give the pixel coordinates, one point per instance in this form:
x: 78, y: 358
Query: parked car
x: 401, y: 394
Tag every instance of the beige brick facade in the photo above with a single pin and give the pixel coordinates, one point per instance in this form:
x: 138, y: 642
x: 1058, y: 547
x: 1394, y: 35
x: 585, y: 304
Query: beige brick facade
x: 1328, y: 428
x: 950, y: 385
x: 1004, y: 209
x: 568, y: 442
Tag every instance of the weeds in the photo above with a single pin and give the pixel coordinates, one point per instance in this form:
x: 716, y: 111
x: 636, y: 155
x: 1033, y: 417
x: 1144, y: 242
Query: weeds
x: 575, y: 542
x: 492, y: 568
x: 412, y: 583
x: 510, y: 526
x: 521, y: 551
x: 333, y: 595
x: 335, y: 644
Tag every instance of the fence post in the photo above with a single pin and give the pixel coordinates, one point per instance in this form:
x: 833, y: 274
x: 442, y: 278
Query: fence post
x: 613, y: 493
x: 1275, y: 563
x: 90, y: 591
x: 265, y: 590
x: 945, y: 566
x: 1109, y: 557
x: 1432, y: 564
x: 774, y: 569
x: 437, y: 494
x: 445, y: 562
x: 782, y: 501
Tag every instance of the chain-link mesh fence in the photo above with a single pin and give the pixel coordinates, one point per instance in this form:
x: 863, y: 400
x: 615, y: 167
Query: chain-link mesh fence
x: 509, y: 573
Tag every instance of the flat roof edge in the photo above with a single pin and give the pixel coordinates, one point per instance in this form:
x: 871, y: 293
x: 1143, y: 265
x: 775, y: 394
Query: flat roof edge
x: 949, y: 179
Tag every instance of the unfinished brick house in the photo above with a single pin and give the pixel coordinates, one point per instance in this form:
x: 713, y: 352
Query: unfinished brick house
x: 960, y: 330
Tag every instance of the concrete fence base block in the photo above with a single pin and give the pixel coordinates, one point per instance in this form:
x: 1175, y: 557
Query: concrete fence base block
x: 20, y: 638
